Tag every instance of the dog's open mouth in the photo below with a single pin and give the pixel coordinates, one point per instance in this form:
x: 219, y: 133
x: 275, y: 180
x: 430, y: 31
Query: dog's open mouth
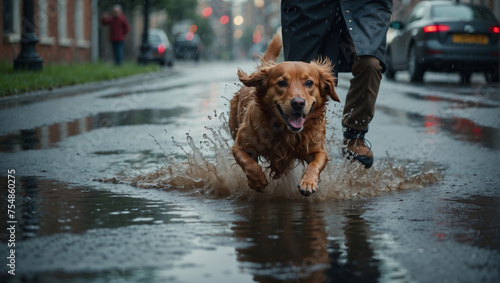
x: 294, y: 121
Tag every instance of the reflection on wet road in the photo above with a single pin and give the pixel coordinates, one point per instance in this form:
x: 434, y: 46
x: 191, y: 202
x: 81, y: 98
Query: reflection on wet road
x: 281, y: 241
x: 471, y: 215
x: 81, y: 232
x: 137, y: 184
x: 459, y: 128
x: 48, y: 136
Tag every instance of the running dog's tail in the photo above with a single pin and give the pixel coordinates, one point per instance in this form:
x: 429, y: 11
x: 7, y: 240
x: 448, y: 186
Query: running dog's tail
x: 273, y: 50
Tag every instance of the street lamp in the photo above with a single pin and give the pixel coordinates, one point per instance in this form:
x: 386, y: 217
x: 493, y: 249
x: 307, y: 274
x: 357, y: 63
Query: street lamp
x: 145, y: 55
x: 238, y: 20
x: 259, y: 3
x: 28, y: 58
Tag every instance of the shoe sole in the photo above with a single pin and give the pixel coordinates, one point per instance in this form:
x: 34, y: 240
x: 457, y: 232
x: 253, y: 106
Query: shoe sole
x: 367, y: 162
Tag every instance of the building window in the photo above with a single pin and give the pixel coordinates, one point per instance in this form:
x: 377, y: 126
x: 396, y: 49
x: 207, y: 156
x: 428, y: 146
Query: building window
x: 62, y: 23
x: 11, y: 14
x: 43, y: 23
x: 79, y: 25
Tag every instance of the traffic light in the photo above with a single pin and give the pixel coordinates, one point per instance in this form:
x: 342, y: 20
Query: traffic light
x: 224, y: 19
x: 207, y: 12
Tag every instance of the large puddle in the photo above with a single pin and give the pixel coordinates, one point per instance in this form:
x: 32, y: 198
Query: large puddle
x: 72, y: 233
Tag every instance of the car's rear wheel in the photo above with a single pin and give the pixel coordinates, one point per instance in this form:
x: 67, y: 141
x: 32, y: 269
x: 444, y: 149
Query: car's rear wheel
x: 465, y: 77
x: 390, y: 73
x: 492, y: 77
x: 414, y: 68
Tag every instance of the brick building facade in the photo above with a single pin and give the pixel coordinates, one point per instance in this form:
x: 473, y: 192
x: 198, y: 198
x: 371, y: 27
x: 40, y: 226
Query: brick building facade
x: 63, y: 27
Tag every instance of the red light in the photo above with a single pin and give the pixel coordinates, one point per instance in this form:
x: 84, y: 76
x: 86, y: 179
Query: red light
x: 224, y: 19
x: 193, y: 28
x: 161, y: 48
x: 207, y: 12
x: 495, y: 29
x: 430, y: 51
x: 189, y: 36
x: 436, y: 28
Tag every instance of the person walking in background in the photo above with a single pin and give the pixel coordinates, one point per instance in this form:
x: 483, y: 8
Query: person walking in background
x: 353, y: 35
x: 118, y: 29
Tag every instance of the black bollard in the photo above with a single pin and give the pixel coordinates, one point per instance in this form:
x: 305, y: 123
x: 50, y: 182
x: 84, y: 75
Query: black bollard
x: 145, y: 55
x: 28, y: 58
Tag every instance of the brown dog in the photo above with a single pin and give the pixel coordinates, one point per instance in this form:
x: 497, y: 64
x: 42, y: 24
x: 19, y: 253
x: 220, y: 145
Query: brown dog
x: 279, y: 115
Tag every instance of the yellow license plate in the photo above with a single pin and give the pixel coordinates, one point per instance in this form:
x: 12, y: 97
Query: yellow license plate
x: 470, y: 38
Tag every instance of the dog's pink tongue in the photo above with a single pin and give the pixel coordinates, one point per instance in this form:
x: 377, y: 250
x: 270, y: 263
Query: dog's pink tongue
x: 296, y: 122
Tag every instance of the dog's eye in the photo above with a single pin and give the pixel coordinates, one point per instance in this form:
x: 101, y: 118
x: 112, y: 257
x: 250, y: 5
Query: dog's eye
x: 309, y: 83
x: 282, y: 83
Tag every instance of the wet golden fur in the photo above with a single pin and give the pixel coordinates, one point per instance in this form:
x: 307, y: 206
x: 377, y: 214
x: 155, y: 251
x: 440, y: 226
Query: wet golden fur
x: 260, y: 130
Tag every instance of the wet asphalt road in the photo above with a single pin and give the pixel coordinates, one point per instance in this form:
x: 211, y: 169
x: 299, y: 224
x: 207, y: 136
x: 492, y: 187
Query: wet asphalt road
x: 427, y: 212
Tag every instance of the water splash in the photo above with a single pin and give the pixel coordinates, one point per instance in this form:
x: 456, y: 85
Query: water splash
x: 209, y: 168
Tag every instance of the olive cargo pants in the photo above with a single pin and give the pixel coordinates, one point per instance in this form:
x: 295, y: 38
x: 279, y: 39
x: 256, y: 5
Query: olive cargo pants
x: 360, y: 100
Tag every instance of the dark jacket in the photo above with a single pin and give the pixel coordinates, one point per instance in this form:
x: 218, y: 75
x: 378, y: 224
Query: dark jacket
x: 318, y: 28
x: 118, y: 27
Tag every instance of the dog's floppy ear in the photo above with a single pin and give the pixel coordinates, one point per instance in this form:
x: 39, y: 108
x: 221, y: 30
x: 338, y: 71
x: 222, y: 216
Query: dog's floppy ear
x: 256, y: 79
x: 328, y: 80
x: 328, y: 85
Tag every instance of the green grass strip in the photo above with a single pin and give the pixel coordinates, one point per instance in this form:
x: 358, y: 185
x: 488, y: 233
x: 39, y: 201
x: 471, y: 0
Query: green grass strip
x: 58, y: 75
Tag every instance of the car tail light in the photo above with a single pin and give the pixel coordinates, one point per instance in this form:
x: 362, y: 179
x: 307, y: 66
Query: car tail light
x: 431, y: 51
x: 161, y: 48
x: 436, y: 28
x: 189, y: 36
x: 495, y: 29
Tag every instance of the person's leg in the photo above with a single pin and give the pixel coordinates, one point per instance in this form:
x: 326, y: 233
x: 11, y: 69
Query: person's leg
x: 360, y: 100
x: 360, y: 107
x: 119, y: 52
x: 115, y: 51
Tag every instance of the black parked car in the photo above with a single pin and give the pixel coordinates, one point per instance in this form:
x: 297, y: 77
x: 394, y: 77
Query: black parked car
x: 444, y: 36
x: 188, y: 46
x: 163, y: 51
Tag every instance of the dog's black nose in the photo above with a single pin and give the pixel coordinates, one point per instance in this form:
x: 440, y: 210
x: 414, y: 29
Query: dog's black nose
x: 298, y: 103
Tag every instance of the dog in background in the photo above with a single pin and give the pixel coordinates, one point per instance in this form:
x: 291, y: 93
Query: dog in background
x: 279, y: 115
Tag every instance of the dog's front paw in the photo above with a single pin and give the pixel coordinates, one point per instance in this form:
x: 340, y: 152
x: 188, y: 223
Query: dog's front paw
x: 257, y: 179
x: 308, y: 185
